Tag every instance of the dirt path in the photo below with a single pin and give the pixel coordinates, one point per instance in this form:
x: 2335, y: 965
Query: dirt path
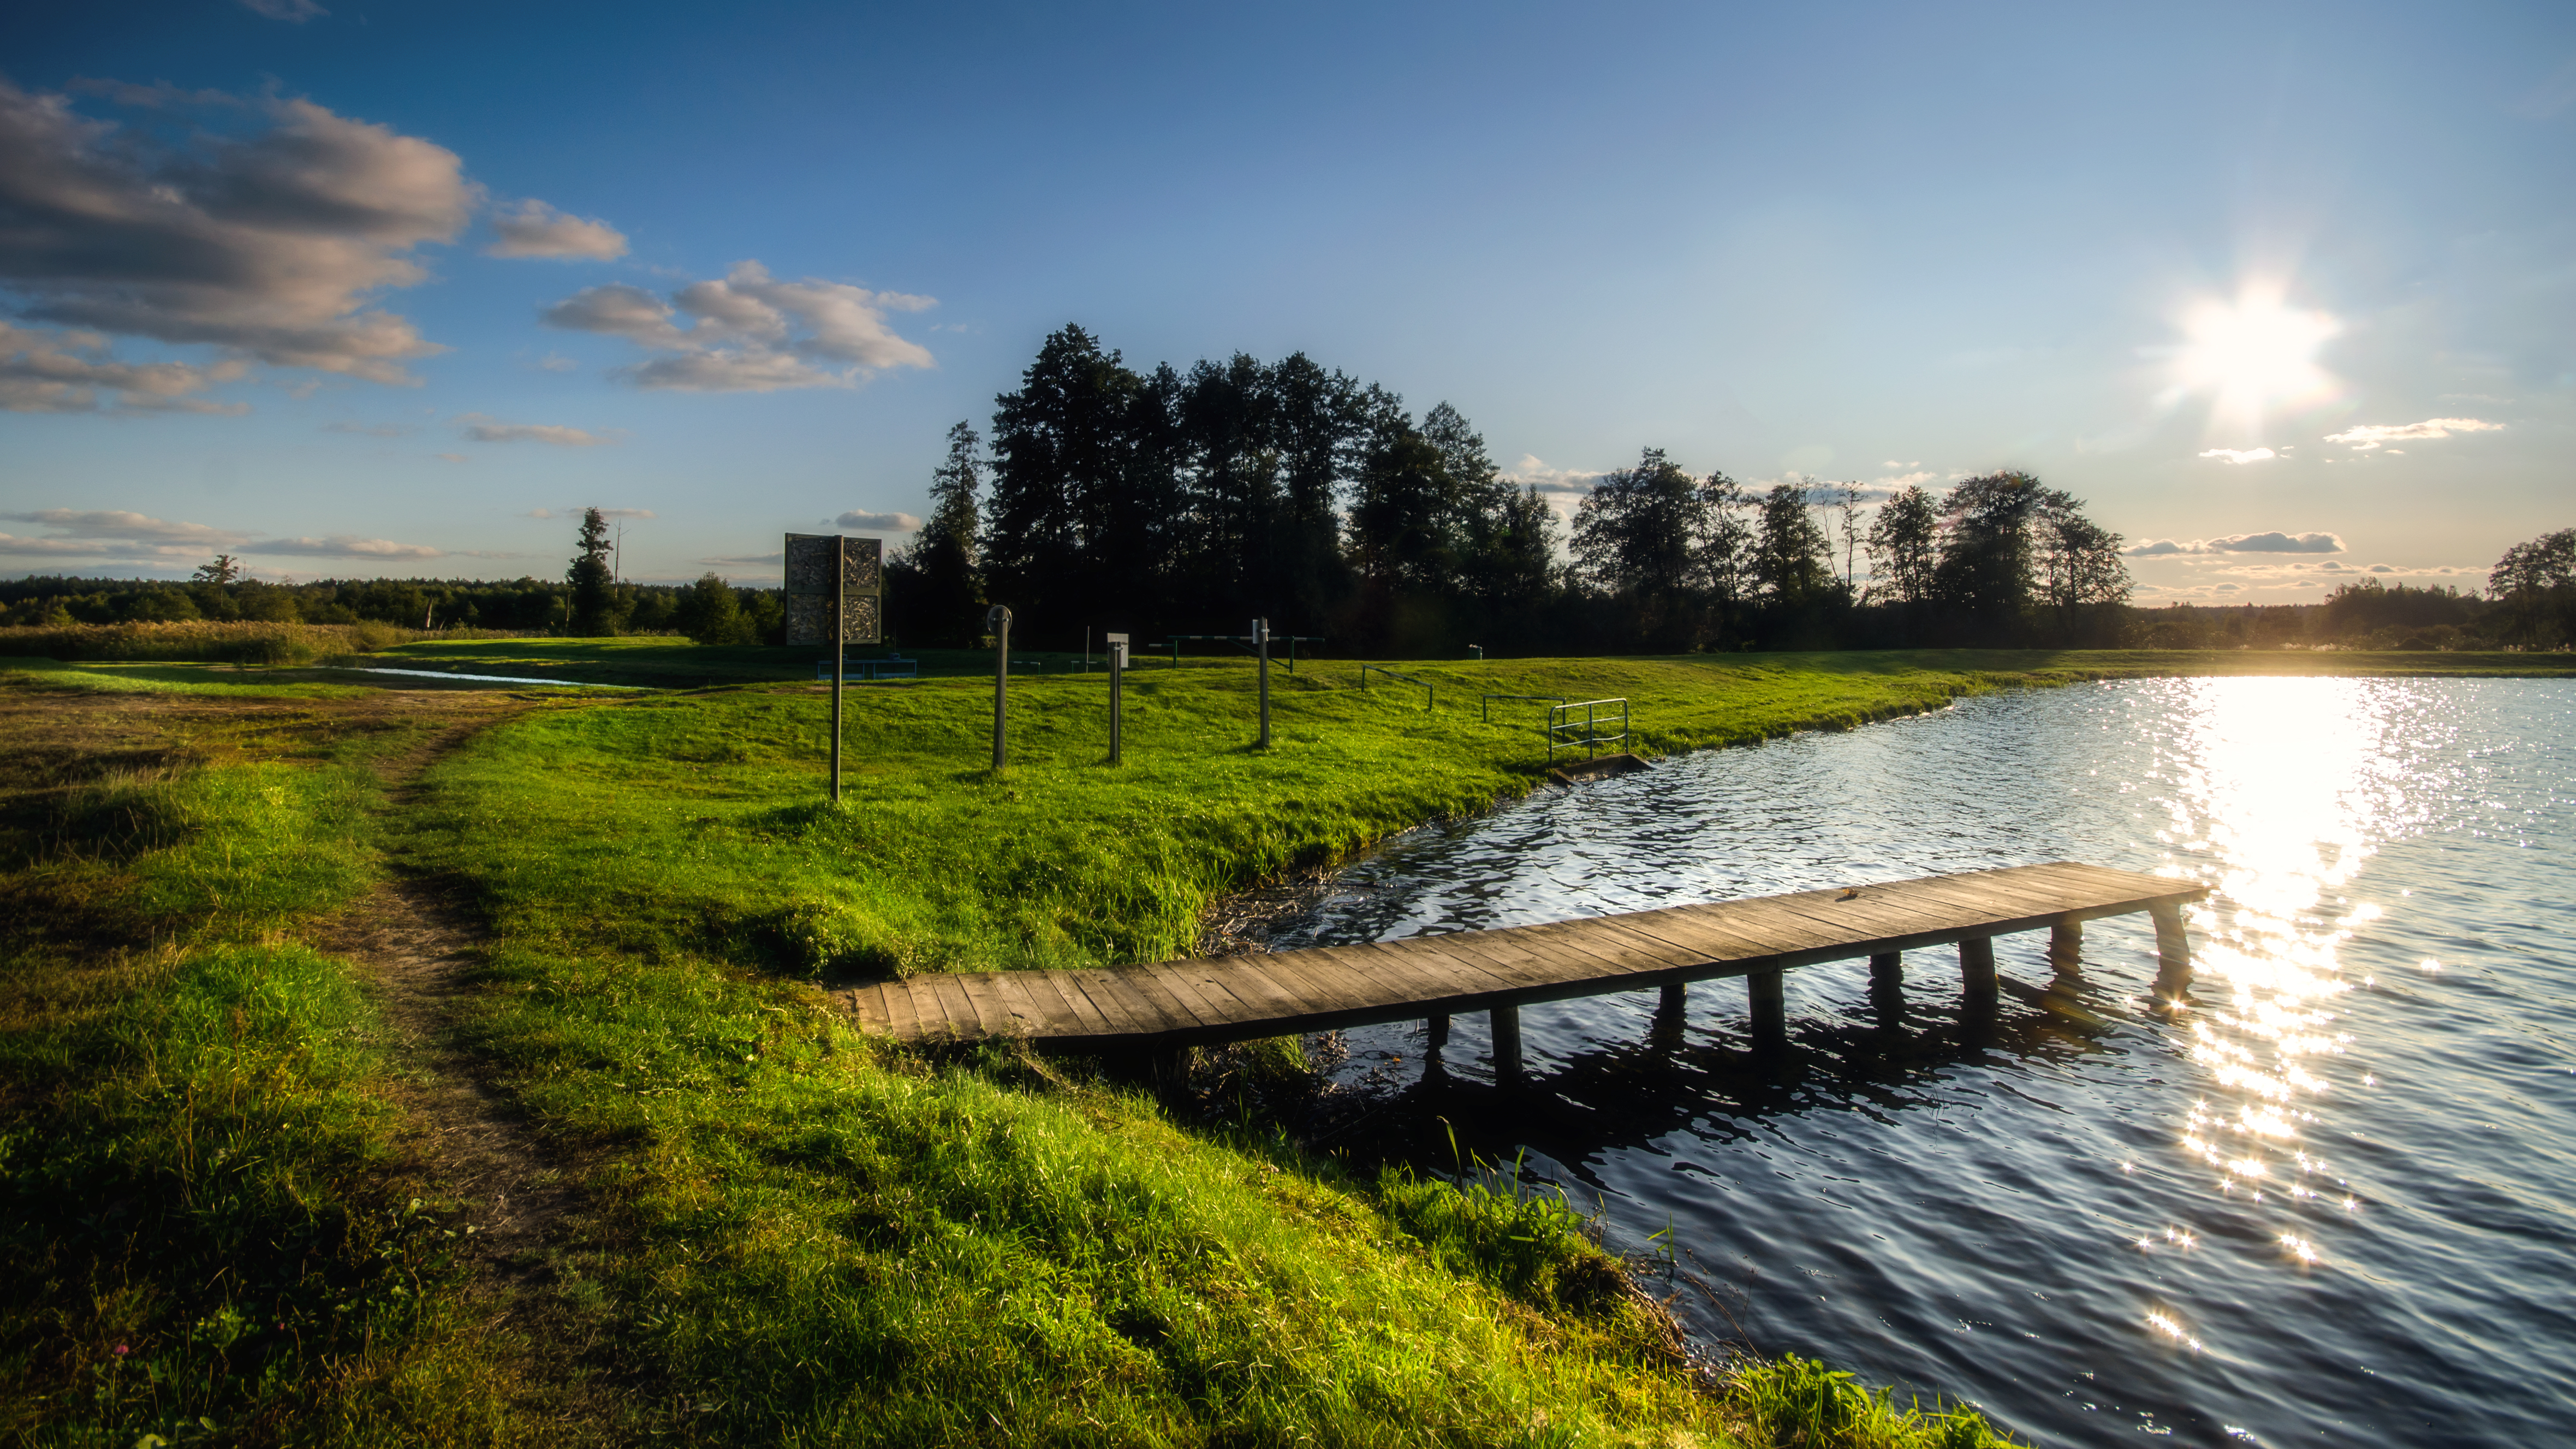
x: 415, y: 950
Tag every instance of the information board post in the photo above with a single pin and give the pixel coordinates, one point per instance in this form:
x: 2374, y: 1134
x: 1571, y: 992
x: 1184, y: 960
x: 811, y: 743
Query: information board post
x: 840, y: 652
x: 835, y: 589
x: 998, y: 620
x: 1261, y: 646
x: 1117, y: 677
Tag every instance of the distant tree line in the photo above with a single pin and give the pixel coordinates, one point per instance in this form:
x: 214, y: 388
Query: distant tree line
x: 1190, y: 502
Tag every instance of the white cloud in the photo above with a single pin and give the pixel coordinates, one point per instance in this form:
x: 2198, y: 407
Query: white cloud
x: 2238, y: 543
x: 99, y: 524
x: 293, y: 12
x: 748, y: 332
x: 1530, y: 472
x: 883, y: 522
x: 268, y: 240
x: 534, y: 229
x: 2242, y: 455
x: 749, y: 560
x: 66, y: 371
x: 341, y: 545
x: 2373, y: 435
x: 115, y: 533
x: 478, y: 428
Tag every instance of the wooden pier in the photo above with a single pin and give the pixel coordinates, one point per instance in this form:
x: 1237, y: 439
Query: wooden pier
x: 1431, y: 978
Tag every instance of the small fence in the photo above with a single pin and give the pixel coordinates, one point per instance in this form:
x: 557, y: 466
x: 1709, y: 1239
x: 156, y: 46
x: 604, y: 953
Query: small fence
x: 1566, y: 731
x: 1368, y: 669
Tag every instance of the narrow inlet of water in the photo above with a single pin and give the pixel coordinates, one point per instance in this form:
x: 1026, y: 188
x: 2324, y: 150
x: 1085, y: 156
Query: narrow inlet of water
x: 2332, y: 1203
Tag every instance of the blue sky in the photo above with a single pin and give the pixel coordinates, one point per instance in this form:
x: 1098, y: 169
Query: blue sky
x: 754, y: 260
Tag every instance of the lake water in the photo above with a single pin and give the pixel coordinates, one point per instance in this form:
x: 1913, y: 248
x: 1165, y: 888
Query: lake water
x: 2332, y: 1202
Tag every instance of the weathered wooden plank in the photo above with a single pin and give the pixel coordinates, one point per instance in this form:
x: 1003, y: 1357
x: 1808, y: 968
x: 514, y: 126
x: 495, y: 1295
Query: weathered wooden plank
x: 993, y: 1014
x: 1031, y: 1016
x: 1074, y: 1007
x: 1184, y: 1007
x: 954, y: 1007
x: 900, y: 1019
x: 1128, y: 1010
x: 930, y: 1014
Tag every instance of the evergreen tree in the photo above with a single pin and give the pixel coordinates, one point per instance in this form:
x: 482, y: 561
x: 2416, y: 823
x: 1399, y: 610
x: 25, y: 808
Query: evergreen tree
x: 1063, y: 536
x: 593, y: 604
x: 947, y: 586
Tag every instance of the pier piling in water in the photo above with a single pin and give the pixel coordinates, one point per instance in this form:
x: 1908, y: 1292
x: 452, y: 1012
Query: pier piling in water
x: 1977, y: 968
x: 2173, y: 951
x: 1506, y: 1024
x: 2066, y: 947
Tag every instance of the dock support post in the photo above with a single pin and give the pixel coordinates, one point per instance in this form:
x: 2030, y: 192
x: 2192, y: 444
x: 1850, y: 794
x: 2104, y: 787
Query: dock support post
x: 1671, y: 1009
x: 2173, y: 952
x: 1506, y: 1024
x: 1977, y: 968
x: 1763, y: 993
x: 1887, y: 988
x: 1435, y: 1032
x: 2066, y: 947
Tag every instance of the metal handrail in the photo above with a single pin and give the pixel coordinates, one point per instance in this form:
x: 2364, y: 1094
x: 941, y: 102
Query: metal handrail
x: 1423, y: 685
x: 1488, y: 710
x: 1560, y: 724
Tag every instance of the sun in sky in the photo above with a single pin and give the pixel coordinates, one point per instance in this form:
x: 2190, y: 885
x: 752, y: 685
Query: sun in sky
x: 2252, y: 357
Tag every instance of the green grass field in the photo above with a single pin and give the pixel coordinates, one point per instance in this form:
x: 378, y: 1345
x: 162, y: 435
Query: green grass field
x: 217, y: 1227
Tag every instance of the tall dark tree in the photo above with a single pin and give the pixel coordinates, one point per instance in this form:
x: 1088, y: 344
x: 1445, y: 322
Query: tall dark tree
x: 1792, y: 558
x: 1904, y: 545
x: 224, y: 570
x: 2535, y: 586
x: 947, y: 583
x: 2079, y: 564
x: 1987, y: 545
x: 1406, y: 515
x: 1636, y: 539
x: 594, y: 595
x: 1232, y: 484
x: 1317, y: 431
x: 1062, y: 536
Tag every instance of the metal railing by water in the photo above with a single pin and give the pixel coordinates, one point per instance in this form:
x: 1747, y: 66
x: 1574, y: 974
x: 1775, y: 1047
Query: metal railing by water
x: 1565, y: 731
x: 1367, y: 669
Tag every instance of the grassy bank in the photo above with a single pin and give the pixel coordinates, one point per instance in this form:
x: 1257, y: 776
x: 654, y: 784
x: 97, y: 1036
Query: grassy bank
x: 209, y: 1227
x: 791, y: 1233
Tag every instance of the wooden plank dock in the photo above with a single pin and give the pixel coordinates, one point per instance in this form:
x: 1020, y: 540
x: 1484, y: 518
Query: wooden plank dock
x: 1175, y: 1004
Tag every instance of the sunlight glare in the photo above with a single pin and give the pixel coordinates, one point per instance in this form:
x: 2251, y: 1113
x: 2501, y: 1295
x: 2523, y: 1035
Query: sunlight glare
x: 2252, y: 356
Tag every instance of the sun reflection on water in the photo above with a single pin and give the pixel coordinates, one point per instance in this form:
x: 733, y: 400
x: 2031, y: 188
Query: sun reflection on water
x: 2278, y: 796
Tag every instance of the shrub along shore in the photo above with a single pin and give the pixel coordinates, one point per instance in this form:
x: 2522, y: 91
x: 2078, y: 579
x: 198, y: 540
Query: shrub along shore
x: 221, y: 1216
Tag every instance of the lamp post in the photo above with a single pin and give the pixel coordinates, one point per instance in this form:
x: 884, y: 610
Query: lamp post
x: 997, y: 621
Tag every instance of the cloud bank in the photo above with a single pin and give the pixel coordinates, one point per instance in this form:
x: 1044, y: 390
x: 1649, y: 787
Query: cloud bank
x: 2238, y: 543
x: 748, y: 332
x: 270, y: 231
x: 2242, y: 455
x: 117, y: 534
x: 2365, y: 438
x: 882, y: 522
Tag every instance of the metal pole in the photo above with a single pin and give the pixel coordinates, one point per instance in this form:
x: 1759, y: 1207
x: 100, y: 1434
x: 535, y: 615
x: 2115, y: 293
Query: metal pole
x: 1117, y: 680
x: 1261, y: 642
x: 998, y: 619
x: 840, y: 615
